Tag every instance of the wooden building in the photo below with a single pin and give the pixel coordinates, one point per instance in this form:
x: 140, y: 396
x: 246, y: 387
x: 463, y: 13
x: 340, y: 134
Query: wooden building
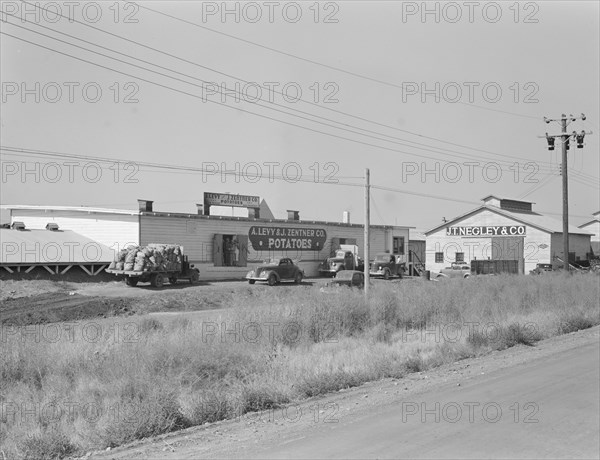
x: 503, y: 229
x: 221, y: 247
x: 593, y: 226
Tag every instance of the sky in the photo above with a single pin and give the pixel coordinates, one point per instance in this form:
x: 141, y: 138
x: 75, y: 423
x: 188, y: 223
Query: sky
x: 443, y: 102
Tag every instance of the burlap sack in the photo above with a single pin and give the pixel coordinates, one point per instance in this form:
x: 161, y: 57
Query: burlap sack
x: 122, y: 254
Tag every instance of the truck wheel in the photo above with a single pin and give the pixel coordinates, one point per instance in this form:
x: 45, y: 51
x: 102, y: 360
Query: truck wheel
x: 252, y: 281
x: 158, y: 280
x: 298, y: 278
x: 272, y: 280
x: 130, y: 281
x: 173, y: 280
x: 386, y: 274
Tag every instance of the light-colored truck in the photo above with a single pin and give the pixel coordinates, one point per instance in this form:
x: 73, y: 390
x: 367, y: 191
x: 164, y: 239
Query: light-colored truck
x: 345, y: 258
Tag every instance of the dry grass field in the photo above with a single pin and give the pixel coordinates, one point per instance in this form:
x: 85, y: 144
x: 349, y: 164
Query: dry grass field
x: 68, y: 388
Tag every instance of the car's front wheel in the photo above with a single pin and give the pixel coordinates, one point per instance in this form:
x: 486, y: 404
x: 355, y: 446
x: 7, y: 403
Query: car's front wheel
x: 272, y: 280
x: 386, y: 274
x: 252, y: 281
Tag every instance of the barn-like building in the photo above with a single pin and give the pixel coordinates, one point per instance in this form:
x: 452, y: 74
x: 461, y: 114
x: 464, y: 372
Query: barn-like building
x: 503, y: 229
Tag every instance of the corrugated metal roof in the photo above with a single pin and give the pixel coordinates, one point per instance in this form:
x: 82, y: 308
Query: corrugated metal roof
x: 538, y: 220
x: 416, y: 236
x: 596, y: 220
x: 261, y: 220
x: 51, y: 247
x: 187, y: 215
x: 71, y: 208
x: 534, y: 219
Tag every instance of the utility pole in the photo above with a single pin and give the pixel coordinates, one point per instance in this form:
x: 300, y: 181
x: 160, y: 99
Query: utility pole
x: 367, y: 225
x: 565, y: 141
x: 565, y: 193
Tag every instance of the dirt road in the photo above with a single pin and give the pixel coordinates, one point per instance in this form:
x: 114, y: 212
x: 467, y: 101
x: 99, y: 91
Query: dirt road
x: 524, y: 402
x: 59, y: 306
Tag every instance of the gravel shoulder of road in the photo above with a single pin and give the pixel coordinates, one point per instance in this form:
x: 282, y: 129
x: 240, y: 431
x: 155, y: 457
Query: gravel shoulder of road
x: 248, y: 434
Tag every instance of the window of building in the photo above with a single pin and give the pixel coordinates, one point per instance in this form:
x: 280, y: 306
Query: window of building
x: 398, y: 245
x: 439, y: 257
x: 460, y: 257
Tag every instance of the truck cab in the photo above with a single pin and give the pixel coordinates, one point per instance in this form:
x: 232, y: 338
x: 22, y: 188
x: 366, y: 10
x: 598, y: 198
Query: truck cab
x: 345, y: 258
x: 386, y: 266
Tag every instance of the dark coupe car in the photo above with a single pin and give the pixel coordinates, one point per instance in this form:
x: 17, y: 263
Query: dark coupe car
x: 349, y: 278
x: 275, y: 270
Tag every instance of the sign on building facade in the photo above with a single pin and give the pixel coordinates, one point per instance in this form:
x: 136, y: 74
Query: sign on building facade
x: 487, y: 231
x: 226, y: 199
x: 276, y: 238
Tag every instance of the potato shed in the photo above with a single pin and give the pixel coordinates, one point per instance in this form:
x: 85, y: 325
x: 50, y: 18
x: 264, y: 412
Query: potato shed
x: 593, y: 226
x: 503, y: 229
x: 221, y: 247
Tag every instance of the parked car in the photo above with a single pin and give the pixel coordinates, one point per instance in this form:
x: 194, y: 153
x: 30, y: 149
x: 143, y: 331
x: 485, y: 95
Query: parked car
x: 455, y: 270
x: 345, y: 279
x: 386, y: 266
x: 350, y: 278
x: 540, y: 269
x: 274, y: 271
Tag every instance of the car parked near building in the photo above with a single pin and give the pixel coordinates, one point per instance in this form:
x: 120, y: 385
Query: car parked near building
x: 540, y: 269
x: 274, y: 271
x: 386, y: 266
x: 455, y: 270
x: 345, y: 279
x: 350, y: 278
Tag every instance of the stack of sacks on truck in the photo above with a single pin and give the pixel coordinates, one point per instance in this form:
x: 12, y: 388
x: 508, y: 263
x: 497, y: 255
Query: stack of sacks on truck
x: 154, y: 257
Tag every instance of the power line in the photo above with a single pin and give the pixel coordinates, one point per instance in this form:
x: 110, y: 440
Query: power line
x: 579, y: 181
x: 215, y: 102
x: 191, y: 170
x: 254, y: 113
x: 181, y: 172
x: 199, y: 97
x: 586, y: 177
x: 169, y: 167
x: 537, y: 186
x: 424, y: 195
x: 337, y: 69
x: 437, y: 149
